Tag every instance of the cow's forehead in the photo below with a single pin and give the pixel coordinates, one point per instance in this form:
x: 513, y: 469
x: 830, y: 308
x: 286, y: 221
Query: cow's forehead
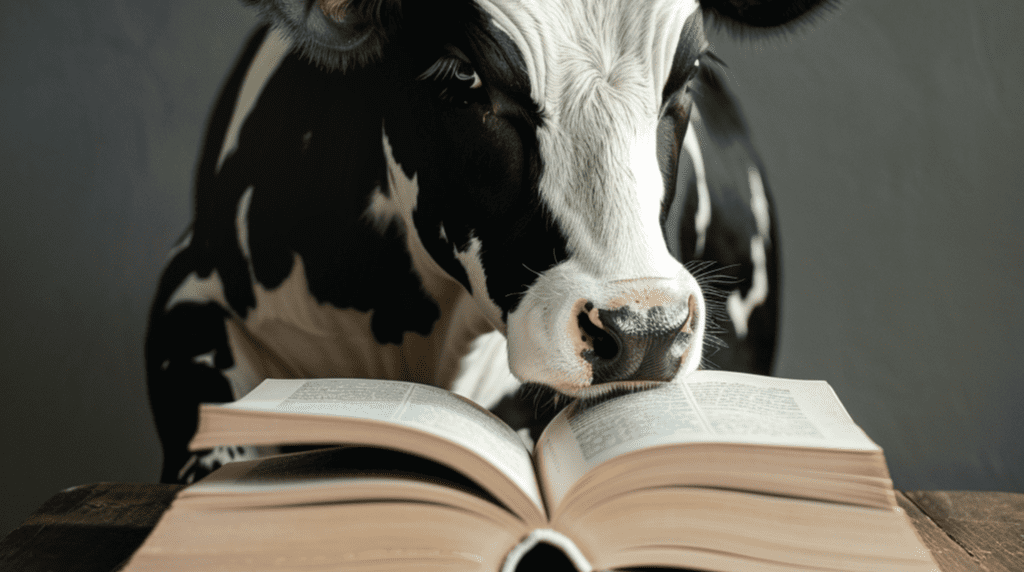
x: 560, y: 38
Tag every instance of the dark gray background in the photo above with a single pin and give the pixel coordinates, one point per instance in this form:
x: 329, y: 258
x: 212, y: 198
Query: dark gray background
x: 891, y: 133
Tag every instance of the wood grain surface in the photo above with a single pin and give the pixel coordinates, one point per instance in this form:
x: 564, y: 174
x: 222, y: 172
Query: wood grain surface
x: 986, y: 526
x: 89, y: 528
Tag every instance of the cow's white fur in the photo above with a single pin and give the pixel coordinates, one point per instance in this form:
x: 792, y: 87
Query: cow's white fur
x: 483, y: 374
x: 738, y: 306
x: 289, y: 334
x: 597, y: 69
x: 702, y: 220
x: 242, y: 225
x: 194, y: 288
x: 219, y: 455
x: 758, y: 201
x: 471, y: 261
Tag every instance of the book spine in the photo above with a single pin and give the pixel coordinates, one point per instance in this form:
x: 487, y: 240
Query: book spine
x: 547, y: 536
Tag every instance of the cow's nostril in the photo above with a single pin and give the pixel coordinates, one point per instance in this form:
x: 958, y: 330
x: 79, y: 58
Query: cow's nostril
x: 625, y: 344
x: 602, y: 341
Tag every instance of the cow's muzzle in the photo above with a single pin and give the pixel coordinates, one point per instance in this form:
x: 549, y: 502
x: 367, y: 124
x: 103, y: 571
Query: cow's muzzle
x: 587, y: 337
x: 635, y: 343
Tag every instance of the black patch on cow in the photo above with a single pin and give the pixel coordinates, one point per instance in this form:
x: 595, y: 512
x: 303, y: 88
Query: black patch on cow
x: 728, y: 152
x: 210, y: 202
x: 177, y: 383
x: 675, y: 97
x: 530, y: 407
x: 310, y: 149
x: 689, y: 47
x: 760, y: 13
x: 504, y: 66
x: 477, y: 163
x: 220, y: 118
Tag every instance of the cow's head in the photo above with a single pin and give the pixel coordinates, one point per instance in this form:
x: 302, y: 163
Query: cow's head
x: 531, y: 148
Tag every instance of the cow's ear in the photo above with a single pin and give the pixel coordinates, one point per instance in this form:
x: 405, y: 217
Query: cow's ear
x: 761, y: 13
x: 335, y: 34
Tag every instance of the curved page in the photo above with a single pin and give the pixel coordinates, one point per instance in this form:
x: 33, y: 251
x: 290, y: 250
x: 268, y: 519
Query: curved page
x: 705, y: 407
x: 325, y: 538
x: 419, y: 419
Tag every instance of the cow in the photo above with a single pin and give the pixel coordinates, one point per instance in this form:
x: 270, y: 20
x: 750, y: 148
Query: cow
x: 474, y: 194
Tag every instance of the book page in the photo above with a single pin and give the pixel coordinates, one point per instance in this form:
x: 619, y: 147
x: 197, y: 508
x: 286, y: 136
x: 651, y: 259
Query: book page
x: 308, y: 471
x: 571, y: 446
x: 341, y: 475
x: 422, y: 407
x: 757, y: 409
x: 708, y: 406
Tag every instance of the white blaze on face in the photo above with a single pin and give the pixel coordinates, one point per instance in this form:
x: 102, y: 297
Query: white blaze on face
x: 597, y: 68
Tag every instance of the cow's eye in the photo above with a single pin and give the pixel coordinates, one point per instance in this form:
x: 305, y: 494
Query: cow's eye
x: 455, y: 79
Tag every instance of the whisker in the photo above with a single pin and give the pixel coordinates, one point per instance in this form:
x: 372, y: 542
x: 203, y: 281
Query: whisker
x: 531, y: 269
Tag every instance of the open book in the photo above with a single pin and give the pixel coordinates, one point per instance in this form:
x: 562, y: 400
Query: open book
x: 722, y: 471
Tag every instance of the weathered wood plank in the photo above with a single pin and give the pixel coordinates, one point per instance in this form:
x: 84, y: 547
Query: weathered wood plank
x: 987, y: 525
x: 949, y: 555
x: 90, y: 528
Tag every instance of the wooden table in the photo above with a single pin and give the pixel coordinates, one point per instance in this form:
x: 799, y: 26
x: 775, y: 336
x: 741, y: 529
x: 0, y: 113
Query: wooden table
x: 95, y: 528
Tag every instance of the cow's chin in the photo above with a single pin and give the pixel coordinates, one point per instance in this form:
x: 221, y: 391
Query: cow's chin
x: 545, y: 346
x: 593, y: 394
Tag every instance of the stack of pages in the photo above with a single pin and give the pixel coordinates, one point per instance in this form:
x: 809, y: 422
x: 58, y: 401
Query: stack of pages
x: 722, y: 471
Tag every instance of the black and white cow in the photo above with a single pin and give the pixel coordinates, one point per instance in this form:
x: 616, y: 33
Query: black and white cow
x: 472, y: 194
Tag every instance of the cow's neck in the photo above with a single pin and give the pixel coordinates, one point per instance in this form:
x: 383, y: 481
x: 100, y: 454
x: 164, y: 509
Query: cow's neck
x: 290, y: 334
x: 314, y: 254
